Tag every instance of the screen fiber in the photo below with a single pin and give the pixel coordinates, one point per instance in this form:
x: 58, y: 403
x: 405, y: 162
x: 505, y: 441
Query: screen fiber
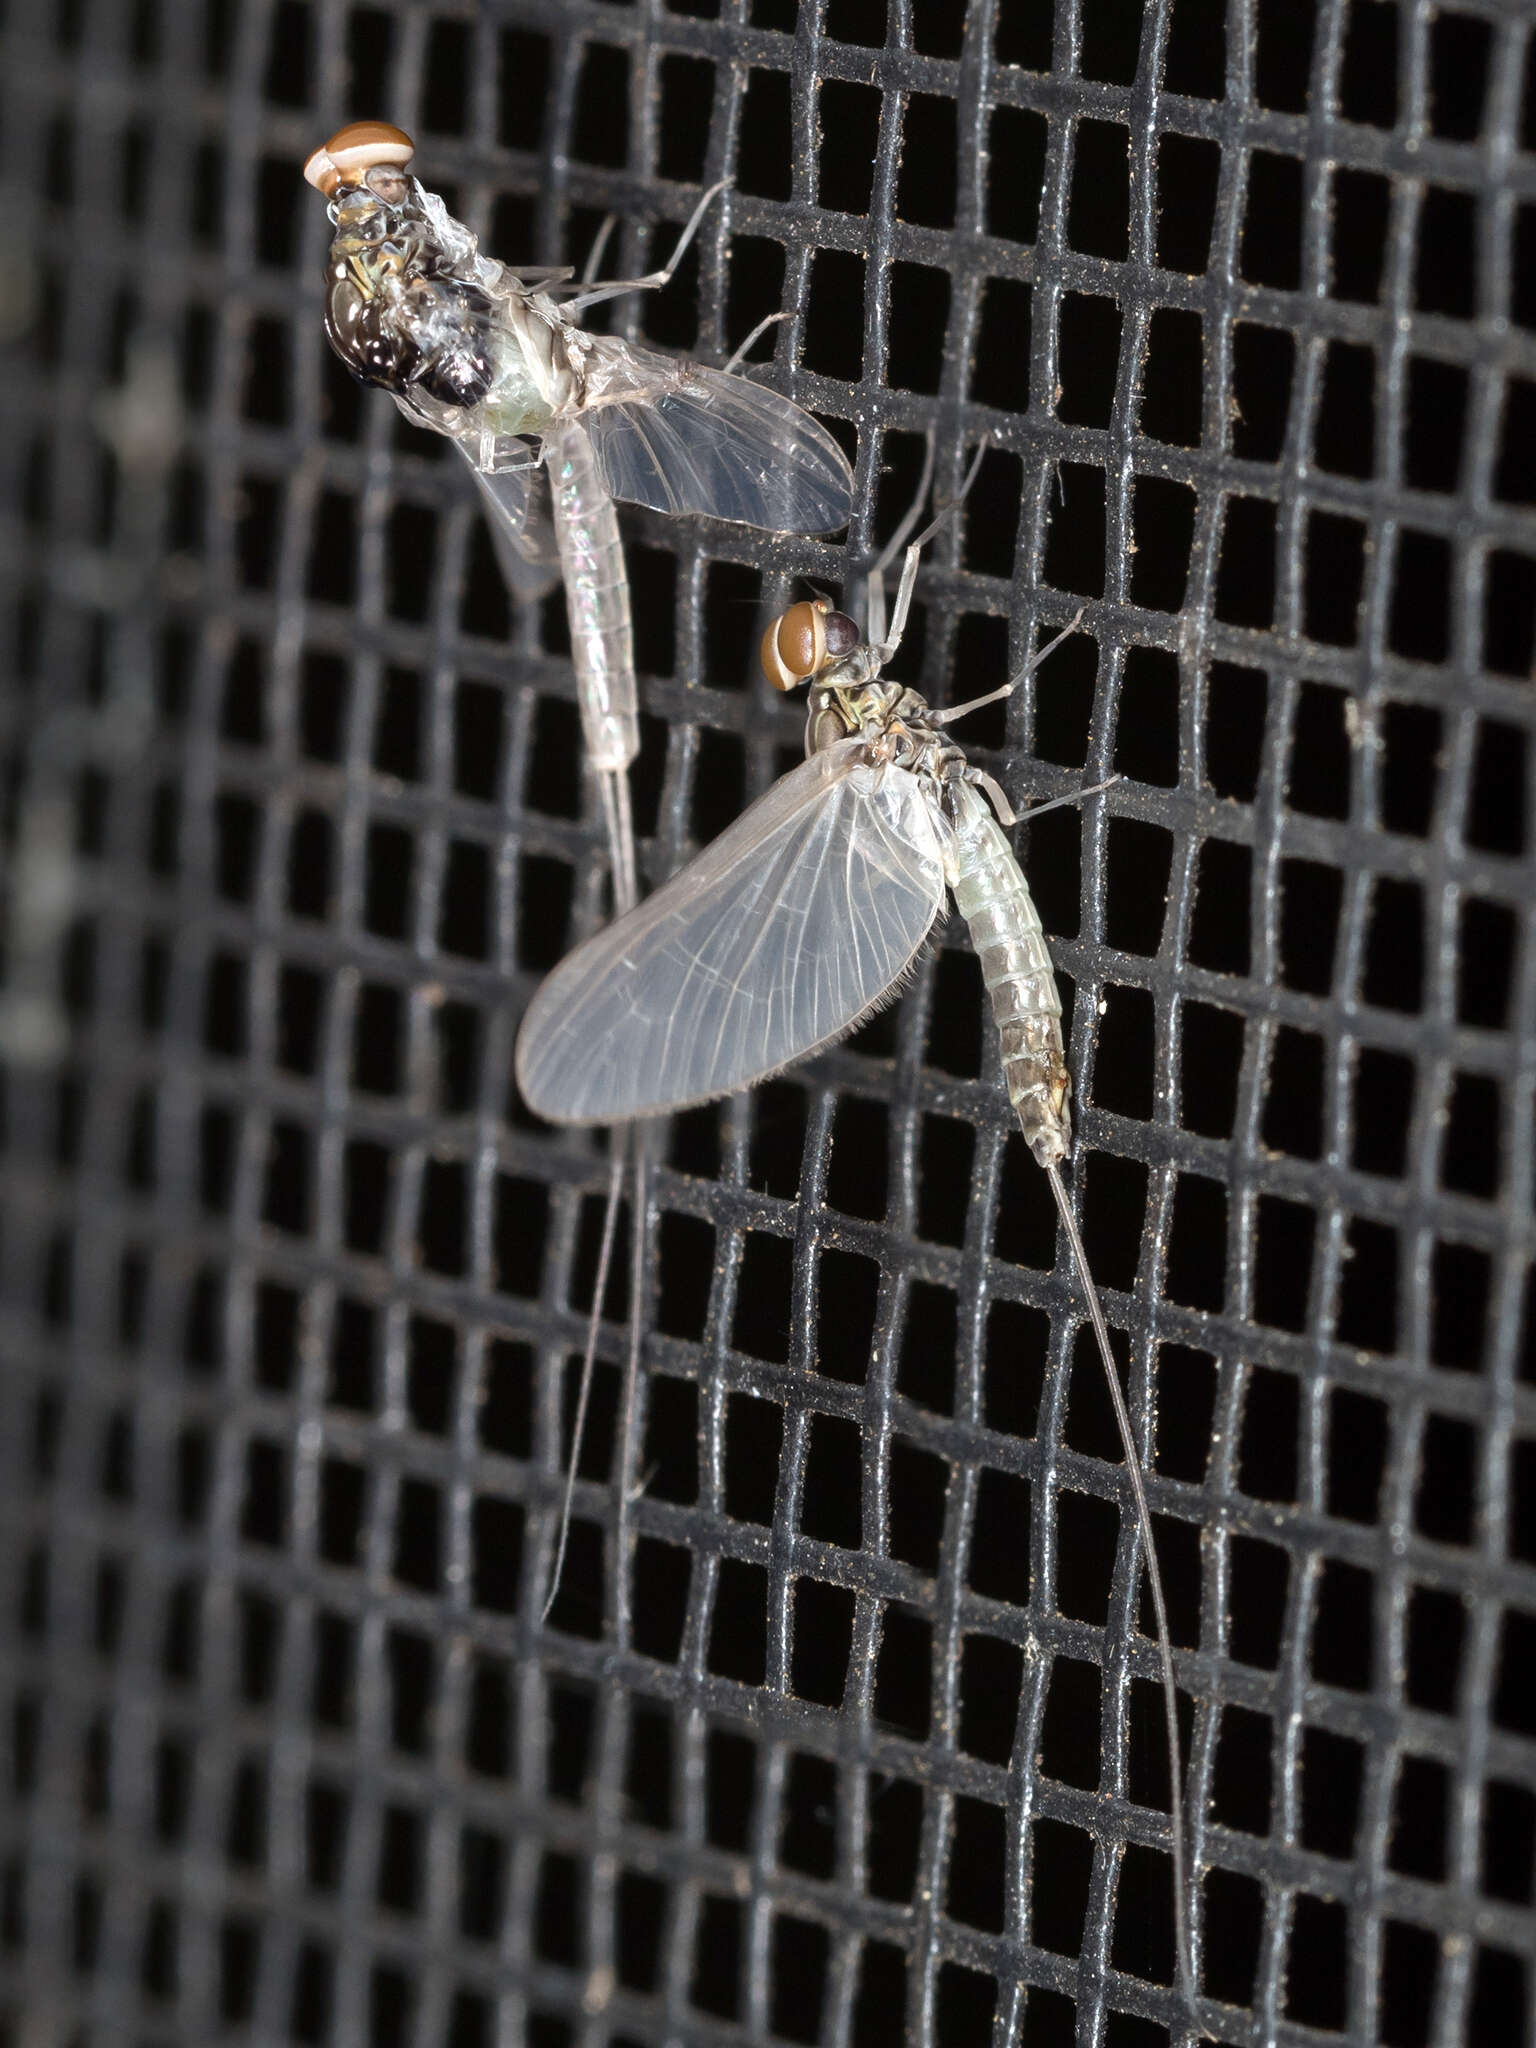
x: 1241, y: 300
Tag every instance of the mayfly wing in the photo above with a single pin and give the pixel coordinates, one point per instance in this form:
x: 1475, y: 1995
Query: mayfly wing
x: 681, y: 437
x: 784, y: 933
x: 517, y: 510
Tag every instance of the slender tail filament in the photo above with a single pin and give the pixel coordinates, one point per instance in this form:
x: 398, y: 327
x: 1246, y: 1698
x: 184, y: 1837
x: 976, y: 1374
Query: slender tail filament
x: 1181, y: 1916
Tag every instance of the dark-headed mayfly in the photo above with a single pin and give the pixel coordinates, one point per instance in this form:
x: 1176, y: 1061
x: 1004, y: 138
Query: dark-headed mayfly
x: 806, y: 915
x: 494, y: 358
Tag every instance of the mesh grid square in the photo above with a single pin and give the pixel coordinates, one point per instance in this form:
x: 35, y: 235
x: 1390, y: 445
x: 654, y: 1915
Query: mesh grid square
x: 1243, y: 300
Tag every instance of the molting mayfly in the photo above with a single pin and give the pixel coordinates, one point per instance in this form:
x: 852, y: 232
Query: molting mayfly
x: 493, y: 358
x: 805, y: 916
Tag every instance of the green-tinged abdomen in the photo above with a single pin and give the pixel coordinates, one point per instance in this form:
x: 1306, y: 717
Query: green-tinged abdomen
x: 993, y: 898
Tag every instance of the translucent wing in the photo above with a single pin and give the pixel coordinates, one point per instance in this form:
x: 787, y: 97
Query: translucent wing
x: 516, y: 505
x: 682, y: 438
x: 779, y: 938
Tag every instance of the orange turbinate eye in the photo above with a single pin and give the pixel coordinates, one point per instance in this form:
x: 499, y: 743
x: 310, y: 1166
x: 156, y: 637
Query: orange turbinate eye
x: 353, y: 151
x: 795, y: 645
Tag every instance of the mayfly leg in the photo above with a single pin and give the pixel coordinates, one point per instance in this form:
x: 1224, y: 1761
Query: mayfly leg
x: 738, y: 355
x: 888, y: 639
x: 594, y: 293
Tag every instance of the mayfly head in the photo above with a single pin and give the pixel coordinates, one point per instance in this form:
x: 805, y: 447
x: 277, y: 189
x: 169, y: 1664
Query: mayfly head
x: 804, y: 641
x: 371, y: 153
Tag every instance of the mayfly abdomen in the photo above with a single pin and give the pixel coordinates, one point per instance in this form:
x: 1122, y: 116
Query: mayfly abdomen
x: 597, y: 599
x: 994, y: 900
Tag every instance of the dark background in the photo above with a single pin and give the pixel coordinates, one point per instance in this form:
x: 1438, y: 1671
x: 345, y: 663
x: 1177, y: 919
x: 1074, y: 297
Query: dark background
x: 291, y: 1287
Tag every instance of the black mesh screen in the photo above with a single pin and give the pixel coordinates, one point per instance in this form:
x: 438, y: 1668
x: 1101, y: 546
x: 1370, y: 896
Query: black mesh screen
x: 291, y: 1288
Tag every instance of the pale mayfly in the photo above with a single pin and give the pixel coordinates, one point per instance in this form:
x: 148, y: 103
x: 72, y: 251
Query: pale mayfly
x: 494, y: 357
x: 804, y: 917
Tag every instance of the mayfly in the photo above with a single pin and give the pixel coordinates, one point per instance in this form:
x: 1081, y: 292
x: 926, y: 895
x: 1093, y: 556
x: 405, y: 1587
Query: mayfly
x: 494, y: 357
x: 804, y: 917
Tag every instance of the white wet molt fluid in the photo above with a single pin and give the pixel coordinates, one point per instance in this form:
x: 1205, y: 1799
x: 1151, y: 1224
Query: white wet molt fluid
x: 554, y: 422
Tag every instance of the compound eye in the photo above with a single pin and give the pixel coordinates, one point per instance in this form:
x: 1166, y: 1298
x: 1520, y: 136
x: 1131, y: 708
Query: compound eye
x: 842, y: 635
x: 354, y: 151
x: 795, y: 645
x: 386, y: 182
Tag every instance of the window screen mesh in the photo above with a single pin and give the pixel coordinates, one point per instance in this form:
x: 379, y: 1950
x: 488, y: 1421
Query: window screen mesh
x: 291, y: 1289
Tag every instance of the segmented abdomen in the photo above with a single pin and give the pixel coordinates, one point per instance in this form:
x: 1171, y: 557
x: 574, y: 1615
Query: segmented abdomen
x: 596, y: 598
x: 995, y: 902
